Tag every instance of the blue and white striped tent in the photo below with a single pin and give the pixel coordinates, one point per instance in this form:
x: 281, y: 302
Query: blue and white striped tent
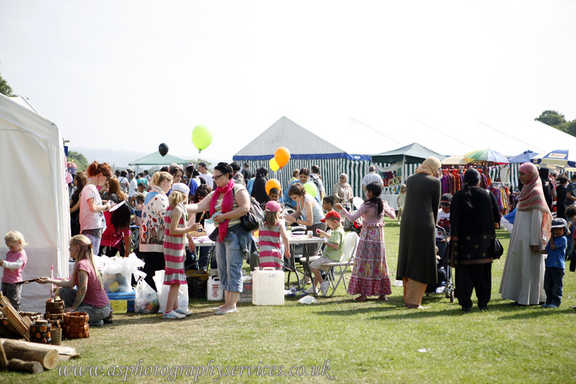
x: 306, y: 149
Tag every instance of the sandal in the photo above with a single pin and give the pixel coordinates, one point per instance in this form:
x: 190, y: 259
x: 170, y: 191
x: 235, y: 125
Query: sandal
x: 360, y: 299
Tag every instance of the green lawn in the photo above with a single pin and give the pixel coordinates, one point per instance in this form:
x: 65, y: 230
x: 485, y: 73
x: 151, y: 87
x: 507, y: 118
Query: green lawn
x: 369, y: 342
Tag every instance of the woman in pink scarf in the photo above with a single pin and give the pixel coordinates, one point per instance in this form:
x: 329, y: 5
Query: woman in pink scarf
x: 523, y: 276
x: 227, y: 204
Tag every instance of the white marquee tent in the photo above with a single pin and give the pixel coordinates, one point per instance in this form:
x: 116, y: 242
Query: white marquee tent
x: 34, y: 194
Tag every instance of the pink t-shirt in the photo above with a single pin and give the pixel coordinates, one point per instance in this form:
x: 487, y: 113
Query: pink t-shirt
x: 95, y: 294
x: 13, y: 276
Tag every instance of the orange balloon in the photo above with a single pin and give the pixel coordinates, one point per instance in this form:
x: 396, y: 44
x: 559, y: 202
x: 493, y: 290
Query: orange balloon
x: 272, y: 183
x: 282, y: 156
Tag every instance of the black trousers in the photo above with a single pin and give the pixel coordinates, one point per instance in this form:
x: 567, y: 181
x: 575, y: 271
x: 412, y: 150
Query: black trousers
x: 470, y: 277
x: 553, y: 285
x: 154, y: 261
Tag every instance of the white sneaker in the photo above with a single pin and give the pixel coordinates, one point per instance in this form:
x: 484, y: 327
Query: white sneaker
x: 324, y: 286
x: 309, y: 291
x: 185, y: 313
x: 226, y: 311
x: 440, y: 289
x: 173, y: 315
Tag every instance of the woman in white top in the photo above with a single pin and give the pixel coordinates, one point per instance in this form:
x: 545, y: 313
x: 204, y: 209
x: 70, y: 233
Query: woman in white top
x: 92, y: 222
x: 523, y: 276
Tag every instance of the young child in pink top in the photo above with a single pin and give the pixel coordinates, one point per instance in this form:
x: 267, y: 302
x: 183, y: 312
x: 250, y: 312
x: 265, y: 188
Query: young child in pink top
x: 13, y: 265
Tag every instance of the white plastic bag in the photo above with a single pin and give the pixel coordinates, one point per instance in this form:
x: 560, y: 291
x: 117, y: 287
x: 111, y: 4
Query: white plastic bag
x: 117, y: 273
x: 146, y: 298
x: 163, y: 296
x: 308, y: 300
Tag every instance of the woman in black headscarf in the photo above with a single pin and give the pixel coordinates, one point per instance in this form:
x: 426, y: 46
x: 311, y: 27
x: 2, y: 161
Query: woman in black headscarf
x: 473, y: 215
x: 259, y: 188
x: 547, y: 186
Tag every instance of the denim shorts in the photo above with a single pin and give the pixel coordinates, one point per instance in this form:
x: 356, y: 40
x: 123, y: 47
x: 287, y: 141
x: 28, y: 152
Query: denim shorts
x: 229, y: 256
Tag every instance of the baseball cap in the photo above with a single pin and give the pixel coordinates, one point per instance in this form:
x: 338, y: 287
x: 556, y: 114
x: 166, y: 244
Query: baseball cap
x: 332, y: 215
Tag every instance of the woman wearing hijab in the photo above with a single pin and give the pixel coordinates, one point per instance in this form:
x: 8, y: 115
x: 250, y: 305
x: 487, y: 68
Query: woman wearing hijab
x: 523, y: 276
x: 259, y: 187
x: 473, y: 215
x: 417, y: 252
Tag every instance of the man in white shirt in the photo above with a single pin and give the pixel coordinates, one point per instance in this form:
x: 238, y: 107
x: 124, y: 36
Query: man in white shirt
x: 133, y: 186
x: 204, y: 174
x: 371, y: 177
x: 123, y: 180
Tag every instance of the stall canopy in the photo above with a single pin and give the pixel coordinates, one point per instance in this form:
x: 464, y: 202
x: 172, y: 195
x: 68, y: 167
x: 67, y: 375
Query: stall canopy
x: 34, y: 195
x: 306, y: 149
x: 410, y: 154
x: 523, y: 157
x: 156, y: 158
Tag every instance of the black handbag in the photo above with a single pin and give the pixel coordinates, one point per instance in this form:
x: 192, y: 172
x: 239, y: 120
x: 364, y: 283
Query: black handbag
x: 498, y: 249
x: 214, y: 234
x: 254, y: 218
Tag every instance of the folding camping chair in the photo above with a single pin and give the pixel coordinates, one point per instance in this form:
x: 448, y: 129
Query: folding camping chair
x: 348, y: 254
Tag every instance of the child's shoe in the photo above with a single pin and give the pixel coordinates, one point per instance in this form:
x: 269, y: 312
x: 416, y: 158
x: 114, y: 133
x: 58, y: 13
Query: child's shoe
x: 182, y: 312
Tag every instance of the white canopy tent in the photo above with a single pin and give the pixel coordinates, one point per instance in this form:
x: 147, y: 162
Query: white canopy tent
x: 34, y: 195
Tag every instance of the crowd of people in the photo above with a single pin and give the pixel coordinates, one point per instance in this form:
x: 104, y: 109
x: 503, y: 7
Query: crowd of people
x: 165, y: 209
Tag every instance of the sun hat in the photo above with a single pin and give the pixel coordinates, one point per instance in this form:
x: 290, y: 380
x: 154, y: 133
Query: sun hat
x: 181, y: 187
x: 273, y: 206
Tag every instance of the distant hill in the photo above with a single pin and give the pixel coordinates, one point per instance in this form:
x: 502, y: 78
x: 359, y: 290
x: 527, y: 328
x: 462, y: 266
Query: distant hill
x: 120, y: 159
x: 117, y: 159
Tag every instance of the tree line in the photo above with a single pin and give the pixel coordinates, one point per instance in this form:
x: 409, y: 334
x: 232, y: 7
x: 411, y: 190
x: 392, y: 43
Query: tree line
x: 558, y: 121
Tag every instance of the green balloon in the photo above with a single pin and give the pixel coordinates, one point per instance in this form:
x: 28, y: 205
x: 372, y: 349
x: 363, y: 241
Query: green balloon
x: 311, y: 189
x: 201, y: 137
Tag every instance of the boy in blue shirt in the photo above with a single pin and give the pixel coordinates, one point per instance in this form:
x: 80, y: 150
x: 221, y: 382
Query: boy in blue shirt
x: 556, y: 251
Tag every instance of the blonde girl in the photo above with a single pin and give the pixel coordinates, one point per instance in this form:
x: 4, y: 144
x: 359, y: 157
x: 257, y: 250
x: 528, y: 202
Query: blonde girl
x: 13, y: 265
x: 89, y: 295
x: 177, y: 227
x: 272, y: 235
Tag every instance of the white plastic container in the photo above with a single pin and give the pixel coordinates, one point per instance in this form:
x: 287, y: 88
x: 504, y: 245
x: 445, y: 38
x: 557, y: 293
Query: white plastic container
x: 214, y: 291
x: 268, y: 287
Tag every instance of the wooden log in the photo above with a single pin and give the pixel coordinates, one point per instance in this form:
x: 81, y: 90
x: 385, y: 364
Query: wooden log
x: 3, y: 359
x: 63, y: 350
x: 25, y: 366
x: 29, y: 352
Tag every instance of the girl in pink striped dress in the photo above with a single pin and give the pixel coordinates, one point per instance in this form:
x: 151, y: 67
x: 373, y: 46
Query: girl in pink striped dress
x: 177, y: 227
x: 271, y: 236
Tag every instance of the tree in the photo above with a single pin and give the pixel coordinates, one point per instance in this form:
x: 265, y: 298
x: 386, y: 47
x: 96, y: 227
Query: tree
x: 569, y: 127
x: 552, y: 118
x: 79, y: 159
x: 4, y: 87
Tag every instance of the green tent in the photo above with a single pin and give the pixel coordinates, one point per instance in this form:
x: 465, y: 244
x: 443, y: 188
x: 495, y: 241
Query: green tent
x: 410, y: 154
x: 156, y: 159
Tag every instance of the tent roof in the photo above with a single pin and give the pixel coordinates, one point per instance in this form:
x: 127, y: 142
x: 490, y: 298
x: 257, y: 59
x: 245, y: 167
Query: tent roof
x: 156, y: 159
x: 413, y: 150
x: 301, y: 142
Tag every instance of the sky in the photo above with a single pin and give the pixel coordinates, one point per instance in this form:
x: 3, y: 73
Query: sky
x: 129, y: 75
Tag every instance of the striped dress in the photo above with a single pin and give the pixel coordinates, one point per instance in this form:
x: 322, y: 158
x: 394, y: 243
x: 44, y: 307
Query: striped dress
x: 269, y: 244
x: 174, y: 252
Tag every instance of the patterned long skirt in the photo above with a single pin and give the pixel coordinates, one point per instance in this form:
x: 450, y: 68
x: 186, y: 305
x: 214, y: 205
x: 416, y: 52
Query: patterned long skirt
x: 370, y: 271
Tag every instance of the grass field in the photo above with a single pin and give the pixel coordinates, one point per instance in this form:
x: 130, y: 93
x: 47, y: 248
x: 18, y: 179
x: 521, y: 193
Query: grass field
x: 369, y: 342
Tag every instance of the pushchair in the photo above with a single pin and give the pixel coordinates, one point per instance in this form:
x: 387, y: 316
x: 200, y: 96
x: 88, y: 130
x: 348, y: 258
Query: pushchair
x: 445, y: 281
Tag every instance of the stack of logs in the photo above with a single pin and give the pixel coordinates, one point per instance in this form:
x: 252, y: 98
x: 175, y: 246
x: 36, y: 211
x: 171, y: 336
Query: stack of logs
x: 18, y: 355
